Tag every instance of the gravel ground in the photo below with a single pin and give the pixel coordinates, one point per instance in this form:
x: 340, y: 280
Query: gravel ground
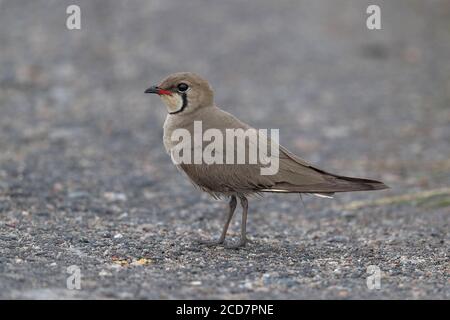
x: 85, y: 180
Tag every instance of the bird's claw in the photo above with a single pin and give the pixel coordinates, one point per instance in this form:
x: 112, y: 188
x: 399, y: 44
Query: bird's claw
x: 238, y: 245
x: 210, y: 243
x: 213, y: 243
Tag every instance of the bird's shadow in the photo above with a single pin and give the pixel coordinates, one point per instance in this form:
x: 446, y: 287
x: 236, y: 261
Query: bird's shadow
x: 257, y: 247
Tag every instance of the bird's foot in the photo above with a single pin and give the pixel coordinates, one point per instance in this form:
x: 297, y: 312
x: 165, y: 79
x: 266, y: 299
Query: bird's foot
x: 238, y: 245
x: 210, y: 243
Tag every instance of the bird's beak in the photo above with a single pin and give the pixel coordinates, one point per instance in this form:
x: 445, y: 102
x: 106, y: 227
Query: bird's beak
x: 155, y: 89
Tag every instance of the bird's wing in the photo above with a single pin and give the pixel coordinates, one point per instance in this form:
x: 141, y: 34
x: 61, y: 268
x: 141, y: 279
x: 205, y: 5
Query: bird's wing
x: 294, y: 174
x: 297, y: 175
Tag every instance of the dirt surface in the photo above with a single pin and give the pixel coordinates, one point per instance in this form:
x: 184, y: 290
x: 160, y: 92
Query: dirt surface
x: 85, y: 180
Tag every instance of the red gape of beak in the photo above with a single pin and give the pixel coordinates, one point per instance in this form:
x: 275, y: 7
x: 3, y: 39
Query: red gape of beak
x: 155, y: 89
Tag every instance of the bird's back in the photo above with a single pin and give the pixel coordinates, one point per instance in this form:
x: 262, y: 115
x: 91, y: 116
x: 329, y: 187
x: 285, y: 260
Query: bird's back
x: 293, y: 175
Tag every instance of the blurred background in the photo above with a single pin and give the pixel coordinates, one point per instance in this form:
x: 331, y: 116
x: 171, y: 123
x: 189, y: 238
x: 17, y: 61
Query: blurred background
x: 85, y: 180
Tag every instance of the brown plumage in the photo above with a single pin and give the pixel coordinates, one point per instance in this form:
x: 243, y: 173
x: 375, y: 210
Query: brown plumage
x: 189, y: 98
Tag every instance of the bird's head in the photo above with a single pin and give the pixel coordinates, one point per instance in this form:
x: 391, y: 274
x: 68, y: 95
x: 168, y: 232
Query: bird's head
x: 184, y: 92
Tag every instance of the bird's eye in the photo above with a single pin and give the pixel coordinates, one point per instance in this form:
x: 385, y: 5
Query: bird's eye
x: 182, y: 87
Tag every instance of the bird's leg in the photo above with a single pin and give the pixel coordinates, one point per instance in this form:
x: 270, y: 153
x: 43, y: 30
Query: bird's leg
x: 232, y: 204
x: 243, y: 241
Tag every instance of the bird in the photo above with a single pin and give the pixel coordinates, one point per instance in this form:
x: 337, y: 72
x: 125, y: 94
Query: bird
x: 189, y: 99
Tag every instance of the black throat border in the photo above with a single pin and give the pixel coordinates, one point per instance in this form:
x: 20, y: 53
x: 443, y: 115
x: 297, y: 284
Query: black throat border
x: 184, y: 105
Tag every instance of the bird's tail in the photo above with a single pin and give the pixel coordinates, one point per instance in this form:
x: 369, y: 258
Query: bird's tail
x: 327, y: 189
x: 344, y: 184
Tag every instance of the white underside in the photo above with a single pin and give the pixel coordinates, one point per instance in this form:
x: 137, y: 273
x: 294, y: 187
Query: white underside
x: 287, y: 191
x: 322, y: 196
